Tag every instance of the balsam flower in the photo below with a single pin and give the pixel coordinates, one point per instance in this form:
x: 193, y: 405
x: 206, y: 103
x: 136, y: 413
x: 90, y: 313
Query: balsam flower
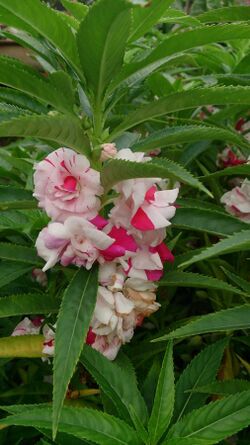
x: 65, y: 185
x: 237, y: 201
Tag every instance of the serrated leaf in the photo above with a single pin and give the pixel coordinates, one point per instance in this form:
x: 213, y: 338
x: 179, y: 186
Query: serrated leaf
x: 200, y: 371
x: 188, y: 279
x: 114, y: 382
x: 163, y: 406
x: 226, y: 320
x: 73, y: 321
x: 21, y: 100
x: 224, y: 387
x: 118, y: 170
x: 16, y: 74
x: 83, y: 423
x: 228, y: 14
x: 65, y: 130
x: 236, y: 243
x: 239, y: 170
x: 188, y: 133
x: 10, y: 272
x: 213, y: 422
x: 19, y: 254
x: 16, y: 198
x: 12, y: 220
x: 182, y: 101
x: 146, y: 17
x: 101, y: 52
x: 177, y: 43
x: 207, y: 220
x: 27, y: 304
x: 21, y: 346
x: 236, y: 279
x: 39, y: 18
x: 78, y: 10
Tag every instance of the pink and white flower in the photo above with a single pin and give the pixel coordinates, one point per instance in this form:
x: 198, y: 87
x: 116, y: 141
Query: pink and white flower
x: 65, y: 185
x: 229, y: 158
x: 77, y: 241
x: 109, y: 151
x: 237, y: 201
x: 27, y: 327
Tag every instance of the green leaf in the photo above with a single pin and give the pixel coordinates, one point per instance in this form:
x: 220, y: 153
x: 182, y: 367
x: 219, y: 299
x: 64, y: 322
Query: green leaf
x: 20, y: 254
x: 73, y: 321
x: 164, y: 398
x: 101, y: 42
x: 65, y: 130
x: 83, y: 423
x: 188, y: 279
x: 236, y: 279
x: 224, y: 387
x: 114, y: 382
x: 213, y: 422
x: 144, y: 18
x: 27, y: 304
x: 226, y: 320
x: 200, y: 371
x: 39, y: 18
x: 78, y: 10
x: 12, y: 220
x: 21, y: 346
x: 176, y: 43
x: 236, y: 243
x: 182, y: 101
x: 63, y: 82
x: 178, y: 16
x: 210, y: 221
x: 16, y: 74
x: 16, y: 198
x: 118, y: 170
x: 229, y: 14
x: 189, y: 133
x: 239, y: 170
x: 10, y: 272
x: 21, y: 100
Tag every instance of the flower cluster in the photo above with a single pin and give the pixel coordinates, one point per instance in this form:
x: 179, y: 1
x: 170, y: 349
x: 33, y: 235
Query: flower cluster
x: 128, y: 244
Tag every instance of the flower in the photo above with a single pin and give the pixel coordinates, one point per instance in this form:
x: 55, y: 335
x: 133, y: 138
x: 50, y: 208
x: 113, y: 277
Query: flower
x: 237, y: 201
x: 27, y: 327
x: 65, y: 185
x: 228, y: 158
x: 76, y: 241
x: 109, y: 151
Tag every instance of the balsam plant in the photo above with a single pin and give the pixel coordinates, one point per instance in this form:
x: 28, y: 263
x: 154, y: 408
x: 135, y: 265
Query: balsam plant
x: 147, y: 76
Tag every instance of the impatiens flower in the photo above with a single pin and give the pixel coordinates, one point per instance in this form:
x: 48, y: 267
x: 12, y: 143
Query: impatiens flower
x: 77, y: 241
x: 228, y: 158
x: 107, y: 345
x: 65, y: 185
x: 49, y: 341
x: 109, y: 151
x: 237, y: 201
x: 27, y: 327
x: 123, y: 245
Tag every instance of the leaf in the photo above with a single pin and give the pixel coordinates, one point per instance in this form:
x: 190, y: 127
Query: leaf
x: 45, y: 21
x: 188, y: 133
x: 188, y: 279
x: 78, y: 10
x: 210, y: 221
x: 63, y: 82
x: 73, y: 321
x: 65, y: 130
x: 202, y: 370
x: 224, y: 387
x: 117, y: 170
x: 114, y: 382
x: 21, y: 100
x: 184, y: 100
x: 101, y: 52
x: 164, y: 398
x: 213, y: 422
x: 12, y: 220
x: 16, y: 198
x: 21, y: 346
x: 229, y: 14
x: 170, y: 48
x: 236, y: 243
x: 10, y: 272
x: 239, y: 170
x: 27, y: 304
x: 16, y: 74
x: 83, y: 423
x: 226, y: 320
x: 236, y: 279
x: 144, y: 18
x: 20, y: 254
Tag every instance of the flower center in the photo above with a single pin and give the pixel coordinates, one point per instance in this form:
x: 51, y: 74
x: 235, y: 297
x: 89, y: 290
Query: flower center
x: 70, y: 183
